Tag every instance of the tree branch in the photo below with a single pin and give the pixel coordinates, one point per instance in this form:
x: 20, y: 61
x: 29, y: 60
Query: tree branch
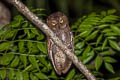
x: 35, y: 20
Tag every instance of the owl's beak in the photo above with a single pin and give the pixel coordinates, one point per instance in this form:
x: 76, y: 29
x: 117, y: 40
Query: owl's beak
x: 62, y: 26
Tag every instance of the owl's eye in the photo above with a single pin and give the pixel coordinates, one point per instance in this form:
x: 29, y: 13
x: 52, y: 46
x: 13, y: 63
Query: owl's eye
x: 61, y: 21
x: 53, y: 24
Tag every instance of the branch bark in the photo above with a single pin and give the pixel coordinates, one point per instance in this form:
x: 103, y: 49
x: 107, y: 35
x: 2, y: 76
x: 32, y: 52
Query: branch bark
x: 35, y: 20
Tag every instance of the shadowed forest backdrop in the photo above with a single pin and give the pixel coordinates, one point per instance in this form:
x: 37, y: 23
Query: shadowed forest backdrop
x: 96, y: 28
x: 73, y: 9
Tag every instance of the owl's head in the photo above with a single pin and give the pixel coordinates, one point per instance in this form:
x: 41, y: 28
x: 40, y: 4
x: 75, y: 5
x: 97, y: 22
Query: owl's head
x: 58, y: 21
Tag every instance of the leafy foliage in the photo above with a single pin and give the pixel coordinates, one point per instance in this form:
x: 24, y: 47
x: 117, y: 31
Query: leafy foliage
x: 23, y: 52
x: 97, y: 36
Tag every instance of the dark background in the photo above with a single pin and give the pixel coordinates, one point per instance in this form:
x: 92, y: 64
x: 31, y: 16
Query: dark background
x: 72, y: 8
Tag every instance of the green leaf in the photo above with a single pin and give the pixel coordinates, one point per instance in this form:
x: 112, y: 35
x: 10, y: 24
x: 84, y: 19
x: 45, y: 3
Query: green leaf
x: 104, y: 44
x: 15, y: 23
x: 40, y: 37
x: 25, y: 75
x: 53, y: 75
x: 103, y: 26
x: 98, y: 62
x: 86, y: 51
x: 112, y: 11
x: 11, y: 74
x: 33, y: 61
x: 103, y: 13
x: 116, y: 78
x: 2, y: 32
x: 15, y: 62
x: 34, y: 48
x: 99, y: 39
x: 90, y: 57
x: 41, y: 75
x: 5, y: 46
x: 26, y: 31
x: 100, y: 48
x: 31, y: 35
x: 42, y: 47
x: 92, y: 36
x: 106, y: 53
x: 79, y: 45
x: 6, y: 59
x: 19, y: 17
x: 110, y: 18
x: 19, y: 75
x: 9, y: 34
x: 25, y: 24
x: 115, y: 29
x: 109, y: 67
x: 85, y: 34
x: 92, y: 19
x: 117, y: 24
x: 35, y: 31
x: 23, y: 58
x: 3, y: 73
x: 106, y: 30
x: 21, y: 36
x: 78, y: 52
x: 114, y: 45
x: 43, y: 61
x: 29, y: 45
x: 21, y: 46
x: 44, y: 70
x: 14, y: 48
x: 84, y: 27
x: 70, y: 75
x: 109, y: 59
x: 111, y: 34
x: 112, y: 37
x: 85, y: 61
x: 33, y: 77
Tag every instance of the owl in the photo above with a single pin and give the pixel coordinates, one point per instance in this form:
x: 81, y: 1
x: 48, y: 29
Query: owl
x: 59, y: 24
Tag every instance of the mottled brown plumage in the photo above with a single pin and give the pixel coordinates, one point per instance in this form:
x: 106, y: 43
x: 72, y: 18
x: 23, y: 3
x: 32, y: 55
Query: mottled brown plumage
x: 4, y: 15
x: 59, y: 24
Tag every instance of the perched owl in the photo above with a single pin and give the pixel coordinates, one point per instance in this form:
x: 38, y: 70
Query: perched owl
x: 59, y: 24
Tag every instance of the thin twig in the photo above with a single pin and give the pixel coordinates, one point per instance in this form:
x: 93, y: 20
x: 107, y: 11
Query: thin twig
x: 34, y: 19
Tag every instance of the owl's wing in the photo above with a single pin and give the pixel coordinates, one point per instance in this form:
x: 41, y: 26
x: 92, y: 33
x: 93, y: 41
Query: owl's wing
x: 48, y: 46
x: 51, y: 54
x: 70, y: 46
